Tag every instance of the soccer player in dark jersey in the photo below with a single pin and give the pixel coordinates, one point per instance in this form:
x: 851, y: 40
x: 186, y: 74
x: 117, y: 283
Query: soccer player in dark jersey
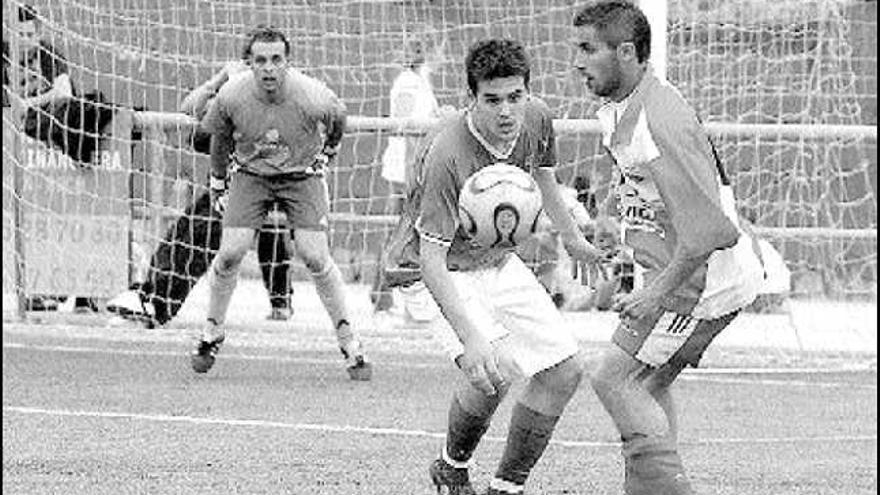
x: 498, y: 323
x: 189, y: 246
x: 678, y: 214
x: 280, y: 128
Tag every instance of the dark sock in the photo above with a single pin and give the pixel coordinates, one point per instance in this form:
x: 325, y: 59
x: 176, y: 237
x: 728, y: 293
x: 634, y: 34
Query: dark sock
x: 529, y: 434
x: 653, y: 467
x: 465, y: 431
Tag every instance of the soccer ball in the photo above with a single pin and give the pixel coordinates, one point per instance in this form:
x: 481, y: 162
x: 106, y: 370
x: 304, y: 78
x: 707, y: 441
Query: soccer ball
x: 499, y: 206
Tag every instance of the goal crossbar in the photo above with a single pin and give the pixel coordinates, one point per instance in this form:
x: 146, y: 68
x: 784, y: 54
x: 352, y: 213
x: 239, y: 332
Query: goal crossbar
x: 400, y: 126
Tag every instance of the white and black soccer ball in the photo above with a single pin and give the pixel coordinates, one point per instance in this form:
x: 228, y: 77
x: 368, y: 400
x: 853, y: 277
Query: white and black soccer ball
x: 499, y: 206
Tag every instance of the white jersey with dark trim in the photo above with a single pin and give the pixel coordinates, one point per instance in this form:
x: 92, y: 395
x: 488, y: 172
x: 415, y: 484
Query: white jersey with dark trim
x: 673, y: 196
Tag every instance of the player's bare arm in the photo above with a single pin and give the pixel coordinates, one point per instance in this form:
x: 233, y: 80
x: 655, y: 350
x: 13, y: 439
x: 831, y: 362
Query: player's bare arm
x: 640, y: 303
x: 477, y: 362
x: 194, y: 103
x: 573, y: 240
x: 683, y: 264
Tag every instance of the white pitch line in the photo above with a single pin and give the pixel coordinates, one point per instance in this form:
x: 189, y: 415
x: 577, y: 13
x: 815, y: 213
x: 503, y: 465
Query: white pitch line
x: 781, y: 383
x: 231, y: 356
x: 399, y: 432
x: 698, y: 374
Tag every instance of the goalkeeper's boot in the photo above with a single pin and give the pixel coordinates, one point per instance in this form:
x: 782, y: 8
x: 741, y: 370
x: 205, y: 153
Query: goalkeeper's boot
x: 450, y: 480
x: 280, y: 313
x: 356, y: 364
x: 204, y: 355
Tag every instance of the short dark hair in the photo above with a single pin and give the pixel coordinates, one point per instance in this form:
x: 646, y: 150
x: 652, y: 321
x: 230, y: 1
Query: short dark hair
x: 266, y: 34
x: 616, y: 22
x: 27, y: 13
x: 495, y: 58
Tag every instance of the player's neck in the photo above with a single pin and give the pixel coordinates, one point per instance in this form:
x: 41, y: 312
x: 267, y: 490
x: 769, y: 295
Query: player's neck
x: 500, y: 149
x: 274, y: 96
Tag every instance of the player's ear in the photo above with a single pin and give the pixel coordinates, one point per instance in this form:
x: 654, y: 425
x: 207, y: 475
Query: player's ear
x: 471, y: 99
x: 627, y: 51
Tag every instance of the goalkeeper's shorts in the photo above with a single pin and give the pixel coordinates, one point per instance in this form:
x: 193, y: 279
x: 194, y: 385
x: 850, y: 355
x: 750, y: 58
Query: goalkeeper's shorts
x: 304, y: 200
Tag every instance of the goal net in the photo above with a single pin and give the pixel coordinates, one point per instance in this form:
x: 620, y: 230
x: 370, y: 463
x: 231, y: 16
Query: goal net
x: 787, y: 87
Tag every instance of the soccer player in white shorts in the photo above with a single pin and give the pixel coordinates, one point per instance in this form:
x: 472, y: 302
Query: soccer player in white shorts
x: 499, y: 323
x: 679, y: 217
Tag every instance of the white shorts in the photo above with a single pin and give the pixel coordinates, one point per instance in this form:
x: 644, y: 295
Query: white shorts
x: 515, y: 314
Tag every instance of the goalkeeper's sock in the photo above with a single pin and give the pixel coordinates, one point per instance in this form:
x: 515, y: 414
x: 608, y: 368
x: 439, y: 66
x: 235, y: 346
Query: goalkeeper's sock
x: 222, y: 280
x: 653, y: 467
x: 331, y: 290
x: 527, y: 438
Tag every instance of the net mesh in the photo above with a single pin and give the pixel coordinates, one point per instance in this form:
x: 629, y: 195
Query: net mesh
x: 746, y: 62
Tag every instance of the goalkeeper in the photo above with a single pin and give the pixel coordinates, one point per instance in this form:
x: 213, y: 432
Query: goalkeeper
x: 281, y: 128
x: 192, y: 242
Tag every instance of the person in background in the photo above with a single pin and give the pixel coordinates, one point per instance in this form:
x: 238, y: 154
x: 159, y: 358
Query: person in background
x: 38, y: 86
x: 412, y: 96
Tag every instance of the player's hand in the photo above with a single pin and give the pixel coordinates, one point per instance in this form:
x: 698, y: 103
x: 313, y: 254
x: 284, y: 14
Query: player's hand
x: 322, y: 161
x: 219, y: 193
x: 581, y: 249
x: 636, y: 305
x: 478, y: 365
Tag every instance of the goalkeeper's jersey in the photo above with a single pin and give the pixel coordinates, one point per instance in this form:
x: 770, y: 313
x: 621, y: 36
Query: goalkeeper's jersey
x: 672, y: 195
x: 273, y: 138
x: 456, y: 153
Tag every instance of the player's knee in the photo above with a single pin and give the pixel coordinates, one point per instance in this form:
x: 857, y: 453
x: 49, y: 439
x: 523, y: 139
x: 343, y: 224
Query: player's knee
x: 565, y: 378
x: 315, y: 263
x: 477, y: 403
x: 605, y: 379
x: 660, y: 381
x: 560, y: 381
x: 228, y: 260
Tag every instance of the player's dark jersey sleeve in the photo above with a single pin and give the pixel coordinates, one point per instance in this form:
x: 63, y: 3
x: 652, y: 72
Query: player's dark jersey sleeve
x: 686, y: 178
x: 438, y: 215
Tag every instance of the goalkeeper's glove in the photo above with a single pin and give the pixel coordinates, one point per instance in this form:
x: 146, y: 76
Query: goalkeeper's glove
x: 322, y: 160
x: 219, y: 193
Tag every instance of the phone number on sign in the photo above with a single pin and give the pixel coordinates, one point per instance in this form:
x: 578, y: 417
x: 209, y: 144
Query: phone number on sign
x: 78, y: 231
x: 76, y: 280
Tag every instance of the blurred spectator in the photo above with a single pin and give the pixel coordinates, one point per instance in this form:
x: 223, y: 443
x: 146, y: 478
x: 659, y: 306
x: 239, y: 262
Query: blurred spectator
x: 579, y: 287
x: 42, y: 81
x: 46, y: 98
x: 585, y: 195
x: 39, y: 90
x: 412, y: 96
